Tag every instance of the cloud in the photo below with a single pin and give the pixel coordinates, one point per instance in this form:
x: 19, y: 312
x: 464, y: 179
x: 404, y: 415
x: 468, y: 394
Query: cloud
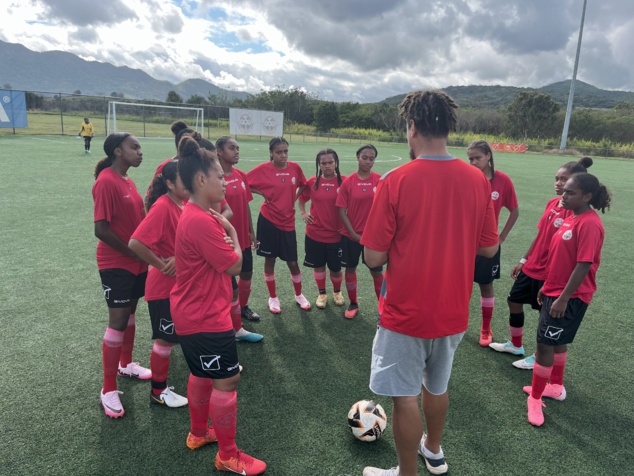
x: 80, y: 13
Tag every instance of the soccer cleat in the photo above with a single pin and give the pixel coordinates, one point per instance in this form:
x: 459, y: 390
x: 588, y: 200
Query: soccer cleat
x: 274, y: 305
x: 322, y: 300
x: 486, y: 337
x: 168, y: 398
x: 338, y: 298
x: 303, y: 302
x: 352, y: 311
x: 372, y: 471
x: 435, y: 463
x: 535, y: 414
x: 248, y: 314
x: 242, y: 464
x: 112, y: 404
x: 554, y: 391
x: 244, y: 335
x: 133, y: 369
x: 525, y: 364
x: 507, y: 347
x: 195, y: 442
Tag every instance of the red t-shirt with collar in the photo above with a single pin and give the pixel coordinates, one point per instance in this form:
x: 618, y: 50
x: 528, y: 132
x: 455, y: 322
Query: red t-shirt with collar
x: 238, y: 195
x: 578, y: 240
x: 118, y: 202
x: 502, y: 193
x: 158, y: 232
x: 279, y: 188
x: 201, y: 298
x: 430, y: 216
x: 326, y: 226
x: 554, y: 215
x: 357, y: 195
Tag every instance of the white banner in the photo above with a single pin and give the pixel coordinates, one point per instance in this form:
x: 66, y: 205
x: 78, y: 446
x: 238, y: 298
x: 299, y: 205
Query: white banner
x: 251, y: 122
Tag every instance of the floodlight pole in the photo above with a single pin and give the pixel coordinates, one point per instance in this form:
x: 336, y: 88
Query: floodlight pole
x: 564, y: 134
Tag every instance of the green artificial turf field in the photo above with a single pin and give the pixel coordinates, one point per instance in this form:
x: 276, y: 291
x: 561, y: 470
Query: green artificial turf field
x: 299, y: 383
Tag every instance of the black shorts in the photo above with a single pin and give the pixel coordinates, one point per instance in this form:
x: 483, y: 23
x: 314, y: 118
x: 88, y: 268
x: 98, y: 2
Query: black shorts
x: 161, y: 318
x: 351, y: 251
x: 524, y: 291
x: 320, y: 254
x: 247, y: 261
x: 560, y: 331
x: 211, y: 354
x: 275, y: 243
x: 87, y: 140
x: 121, y: 287
x: 487, y: 269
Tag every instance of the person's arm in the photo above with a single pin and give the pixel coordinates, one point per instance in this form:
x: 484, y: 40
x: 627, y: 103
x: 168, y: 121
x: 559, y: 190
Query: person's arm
x: 577, y: 276
x: 374, y: 258
x: 252, y: 236
x: 236, y: 267
x: 343, y: 214
x: 518, y: 267
x: 226, y: 211
x: 105, y: 234
x: 307, y: 217
x: 146, y: 254
x: 510, y: 222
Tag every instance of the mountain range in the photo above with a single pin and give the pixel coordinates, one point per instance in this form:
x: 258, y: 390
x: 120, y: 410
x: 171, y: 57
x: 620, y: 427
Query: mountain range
x: 57, y: 71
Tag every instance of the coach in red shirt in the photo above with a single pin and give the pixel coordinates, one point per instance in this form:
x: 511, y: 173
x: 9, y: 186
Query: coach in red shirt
x: 428, y: 221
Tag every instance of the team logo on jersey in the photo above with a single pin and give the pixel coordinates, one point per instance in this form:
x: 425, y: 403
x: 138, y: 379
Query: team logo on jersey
x: 337, y: 189
x: 495, y: 195
x: 363, y: 189
x: 374, y: 190
x: 283, y: 180
x: 210, y: 362
x: 243, y: 185
x: 567, y: 235
x: 327, y: 189
x: 106, y: 291
x: 293, y: 180
x: 557, y: 223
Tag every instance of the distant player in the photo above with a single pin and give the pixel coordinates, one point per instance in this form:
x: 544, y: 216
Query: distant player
x: 87, y: 131
x: 573, y: 259
x: 118, y: 212
x: 278, y: 182
x: 153, y: 241
x: 503, y: 195
x: 530, y: 272
x: 200, y: 304
x: 323, y: 225
x: 354, y: 202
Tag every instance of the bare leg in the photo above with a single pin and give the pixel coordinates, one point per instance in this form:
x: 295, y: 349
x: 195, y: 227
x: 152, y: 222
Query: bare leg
x: 407, y: 424
x: 435, y: 409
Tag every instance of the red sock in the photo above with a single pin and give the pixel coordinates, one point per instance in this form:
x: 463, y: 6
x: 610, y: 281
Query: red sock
x: 159, y: 365
x: 320, y: 279
x: 111, y: 351
x: 516, y: 335
x: 297, y: 283
x: 487, y: 312
x: 270, y: 284
x: 128, y: 342
x: 199, y: 391
x: 336, y: 281
x: 223, y: 410
x: 236, y: 316
x: 351, y: 285
x: 378, y: 282
x: 244, y: 291
x: 557, y: 376
x: 541, y: 375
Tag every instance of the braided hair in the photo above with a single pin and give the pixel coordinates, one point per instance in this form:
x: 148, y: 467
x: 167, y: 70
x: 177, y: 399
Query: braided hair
x: 433, y: 112
x: 318, y: 173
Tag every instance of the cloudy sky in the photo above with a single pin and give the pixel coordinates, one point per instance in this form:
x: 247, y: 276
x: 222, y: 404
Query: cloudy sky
x: 340, y: 50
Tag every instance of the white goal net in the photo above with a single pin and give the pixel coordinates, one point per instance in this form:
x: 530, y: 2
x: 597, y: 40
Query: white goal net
x: 151, y: 120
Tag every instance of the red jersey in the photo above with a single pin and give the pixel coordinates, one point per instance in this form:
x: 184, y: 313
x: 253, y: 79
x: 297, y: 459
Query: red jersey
x: 502, y: 193
x: 201, y: 299
x: 554, y: 215
x: 159, y: 170
x: 118, y: 202
x: 279, y: 187
x: 326, y: 226
x: 238, y: 195
x: 578, y: 240
x: 158, y: 232
x: 357, y: 195
x: 430, y: 215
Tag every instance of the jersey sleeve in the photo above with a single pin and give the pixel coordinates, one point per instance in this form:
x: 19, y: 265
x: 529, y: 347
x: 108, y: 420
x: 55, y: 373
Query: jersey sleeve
x: 381, y: 225
x: 249, y: 195
x: 489, y: 235
x: 104, y: 203
x: 510, y: 198
x: 254, y: 177
x: 342, y: 196
x: 150, y: 229
x: 589, y: 241
x: 308, y: 186
x: 212, y: 246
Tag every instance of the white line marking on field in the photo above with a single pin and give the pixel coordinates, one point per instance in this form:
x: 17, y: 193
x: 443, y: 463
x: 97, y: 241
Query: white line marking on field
x: 49, y: 140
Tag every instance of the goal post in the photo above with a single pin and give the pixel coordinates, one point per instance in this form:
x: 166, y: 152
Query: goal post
x: 151, y: 120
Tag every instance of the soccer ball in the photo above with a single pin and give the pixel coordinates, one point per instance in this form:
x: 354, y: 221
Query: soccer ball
x: 367, y: 420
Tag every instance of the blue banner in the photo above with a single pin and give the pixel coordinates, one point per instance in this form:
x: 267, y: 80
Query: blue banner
x: 12, y: 109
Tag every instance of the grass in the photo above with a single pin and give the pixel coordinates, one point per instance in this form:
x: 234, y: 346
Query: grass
x: 299, y: 383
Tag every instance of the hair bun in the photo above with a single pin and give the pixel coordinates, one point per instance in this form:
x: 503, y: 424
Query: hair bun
x: 586, y: 162
x: 178, y: 126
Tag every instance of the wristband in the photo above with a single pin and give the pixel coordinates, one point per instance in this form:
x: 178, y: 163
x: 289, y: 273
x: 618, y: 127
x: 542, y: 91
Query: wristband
x: 523, y: 261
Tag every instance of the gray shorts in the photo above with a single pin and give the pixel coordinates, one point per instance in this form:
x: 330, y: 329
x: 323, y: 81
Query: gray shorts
x: 401, y: 364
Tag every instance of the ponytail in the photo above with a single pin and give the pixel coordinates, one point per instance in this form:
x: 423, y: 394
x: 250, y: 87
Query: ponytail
x: 159, y: 187
x: 587, y: 183
x: 110, y: 144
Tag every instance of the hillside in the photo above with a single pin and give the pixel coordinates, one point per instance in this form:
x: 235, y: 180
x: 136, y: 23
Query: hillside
x: 56, y: 71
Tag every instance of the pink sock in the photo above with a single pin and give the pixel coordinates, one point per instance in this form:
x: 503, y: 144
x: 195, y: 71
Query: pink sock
x: 199, y: 391
x: 541, y: 375
x: 336, y: 281
x: 320, y: 279
x: 223, y: 410
x: 516, y: 335
x: 111, y: 351
x: 557, y: 376
x: 270, y: 284
x: 236, y: 316
x: 351, y: 285
x: 244, y: 291
x: 297, y: 283
x: 128, y: 341
x: 159, y: 365
x: 487, y: 312
x: 378, y: 282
